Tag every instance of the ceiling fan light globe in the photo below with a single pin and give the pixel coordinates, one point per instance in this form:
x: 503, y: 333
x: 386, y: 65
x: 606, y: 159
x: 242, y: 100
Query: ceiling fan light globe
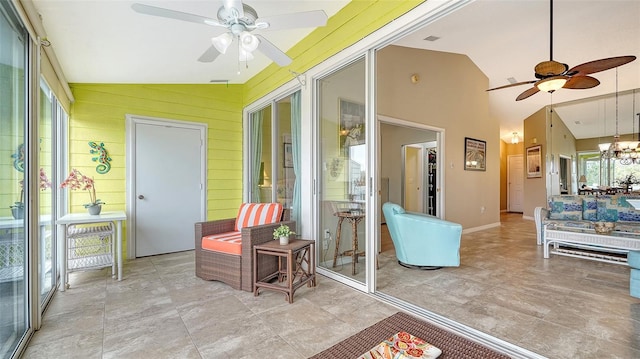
x: 248, y: 41
x: 551, y: 84
x: 222, y: 42
x: 245, y: 55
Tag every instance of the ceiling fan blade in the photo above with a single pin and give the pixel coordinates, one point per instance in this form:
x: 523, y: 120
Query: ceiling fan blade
x: 581, y: 82
x: 209, y: 55
x: 272, y: 52
x: 530, y: 92
x: 235, y: 4
x: 172, y: 14
x: 296, y: 20
x: 600, y: 65
x: 512, y: 85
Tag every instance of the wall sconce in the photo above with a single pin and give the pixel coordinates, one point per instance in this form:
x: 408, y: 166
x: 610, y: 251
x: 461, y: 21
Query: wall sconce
x: 515, y: 139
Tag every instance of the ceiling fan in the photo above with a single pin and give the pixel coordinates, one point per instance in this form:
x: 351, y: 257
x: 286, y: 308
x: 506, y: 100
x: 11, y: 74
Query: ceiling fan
x: 552, y: 75
x: 236, y: 20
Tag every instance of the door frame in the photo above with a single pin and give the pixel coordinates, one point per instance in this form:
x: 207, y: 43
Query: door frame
x: 130, y: 164
x: 440, y: 158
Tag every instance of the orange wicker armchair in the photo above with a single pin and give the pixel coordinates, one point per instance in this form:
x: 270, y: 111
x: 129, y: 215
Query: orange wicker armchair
x: 235, y: 269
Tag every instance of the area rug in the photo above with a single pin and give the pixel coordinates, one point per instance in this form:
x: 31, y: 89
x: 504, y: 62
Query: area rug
x: 452, y: 345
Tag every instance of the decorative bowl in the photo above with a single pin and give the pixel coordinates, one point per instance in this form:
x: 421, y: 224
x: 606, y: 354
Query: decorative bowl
x: 604, y: 227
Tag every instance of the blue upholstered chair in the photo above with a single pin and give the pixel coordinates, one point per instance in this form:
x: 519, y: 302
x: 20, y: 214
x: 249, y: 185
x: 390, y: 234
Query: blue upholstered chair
x: 422, y: 240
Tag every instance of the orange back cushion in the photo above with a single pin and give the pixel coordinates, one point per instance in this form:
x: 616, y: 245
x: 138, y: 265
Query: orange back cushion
x: 254, y: 214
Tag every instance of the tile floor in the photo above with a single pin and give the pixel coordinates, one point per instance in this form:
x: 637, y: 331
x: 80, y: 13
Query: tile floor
x: 560, y: 308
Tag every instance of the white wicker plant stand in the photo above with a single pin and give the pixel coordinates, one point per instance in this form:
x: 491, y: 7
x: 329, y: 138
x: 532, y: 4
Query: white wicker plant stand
x: 90, y: 246
x: 587, y: 244
x: 89, y: 242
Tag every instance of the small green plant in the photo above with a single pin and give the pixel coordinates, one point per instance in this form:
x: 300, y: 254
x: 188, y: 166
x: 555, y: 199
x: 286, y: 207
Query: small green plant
x: 282, y: 231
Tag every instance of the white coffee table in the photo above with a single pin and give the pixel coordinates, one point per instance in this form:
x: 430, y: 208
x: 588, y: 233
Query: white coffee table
x: 587, y: 244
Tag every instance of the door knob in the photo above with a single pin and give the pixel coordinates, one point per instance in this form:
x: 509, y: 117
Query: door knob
x: 140, y: 197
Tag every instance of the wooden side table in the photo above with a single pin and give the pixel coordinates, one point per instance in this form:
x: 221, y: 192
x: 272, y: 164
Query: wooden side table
x: 297, y: 254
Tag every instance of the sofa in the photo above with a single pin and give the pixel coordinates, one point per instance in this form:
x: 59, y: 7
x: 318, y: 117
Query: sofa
x: 582, y: 211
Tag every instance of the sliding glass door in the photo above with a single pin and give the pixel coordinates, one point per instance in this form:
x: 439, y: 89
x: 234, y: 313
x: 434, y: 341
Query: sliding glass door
x: 343, y: 174
x: 49, y: 112
x: 272, y: 152
x: 14, y: 284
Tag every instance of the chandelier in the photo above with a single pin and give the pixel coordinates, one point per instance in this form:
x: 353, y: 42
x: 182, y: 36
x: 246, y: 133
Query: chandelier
x: 626, y: 152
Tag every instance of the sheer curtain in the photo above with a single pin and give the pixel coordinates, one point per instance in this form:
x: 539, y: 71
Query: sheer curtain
x: 295, y: 147
x: 256, y: 154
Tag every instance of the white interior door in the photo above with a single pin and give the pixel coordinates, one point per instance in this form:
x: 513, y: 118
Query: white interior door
x: 413, y: 179
x: 515, y: 169
x: 168, y: 186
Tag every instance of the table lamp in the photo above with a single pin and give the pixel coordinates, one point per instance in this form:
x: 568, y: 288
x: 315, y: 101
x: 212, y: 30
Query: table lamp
x: 582, y: 181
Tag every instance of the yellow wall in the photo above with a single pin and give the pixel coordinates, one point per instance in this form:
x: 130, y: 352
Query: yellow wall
x: 98, y: 114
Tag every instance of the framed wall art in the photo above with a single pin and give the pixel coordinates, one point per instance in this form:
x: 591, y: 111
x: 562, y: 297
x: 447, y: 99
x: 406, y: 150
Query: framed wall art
x: 351, y: 123
x: 534, y: 161
x: 475, y: 154
x: 287, y: 156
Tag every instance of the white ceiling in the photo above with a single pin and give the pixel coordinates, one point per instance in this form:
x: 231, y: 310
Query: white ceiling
x: 105, y: 41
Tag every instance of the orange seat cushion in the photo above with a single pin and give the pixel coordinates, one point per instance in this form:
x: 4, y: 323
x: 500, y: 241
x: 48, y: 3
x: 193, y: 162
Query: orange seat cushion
x: 230, y: 242
x: 254, y: 214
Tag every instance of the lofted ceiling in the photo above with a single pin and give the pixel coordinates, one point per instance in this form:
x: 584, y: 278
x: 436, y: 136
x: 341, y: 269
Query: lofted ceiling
x: 507, y: 38
x: 105, y: 41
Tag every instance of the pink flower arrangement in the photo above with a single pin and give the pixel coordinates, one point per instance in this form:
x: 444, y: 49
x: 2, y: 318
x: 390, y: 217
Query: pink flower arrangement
x: 44, y: 184
x: 44, y: 180
x: 78, y: 181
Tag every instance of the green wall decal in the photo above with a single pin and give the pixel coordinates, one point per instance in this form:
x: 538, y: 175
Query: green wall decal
x: 103, y: 157
x: 18, y: 158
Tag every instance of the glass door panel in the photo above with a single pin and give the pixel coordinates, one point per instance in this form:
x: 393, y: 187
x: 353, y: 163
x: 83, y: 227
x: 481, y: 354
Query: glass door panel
x: 262, y: 122
x: 46, y: 258
x: 343, y: 158
x: 286, y: 177
x: 14, y: 285
x: 272, y: 166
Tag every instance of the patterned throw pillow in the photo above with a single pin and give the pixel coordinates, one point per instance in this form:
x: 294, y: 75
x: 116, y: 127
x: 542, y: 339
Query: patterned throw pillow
x: 590, y: 208
x: 566, y: 207
x: 607, y: 208
x: 626, y: 212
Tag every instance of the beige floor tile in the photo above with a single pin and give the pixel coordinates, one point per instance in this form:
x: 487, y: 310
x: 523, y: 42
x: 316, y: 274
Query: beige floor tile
x: 560, y: 307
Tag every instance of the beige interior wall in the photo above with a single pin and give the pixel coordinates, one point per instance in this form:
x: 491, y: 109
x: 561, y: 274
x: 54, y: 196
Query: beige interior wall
x: 451, y: 94
x: 591, y: 144
x: 562, y: 143
x: 535, y: 189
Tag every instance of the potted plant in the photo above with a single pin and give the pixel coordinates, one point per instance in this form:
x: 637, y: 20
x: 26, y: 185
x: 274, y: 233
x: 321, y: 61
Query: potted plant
x: 283, y: 232
x: 628, y: 181
x: 76, y: 180
x: 17, y: 210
